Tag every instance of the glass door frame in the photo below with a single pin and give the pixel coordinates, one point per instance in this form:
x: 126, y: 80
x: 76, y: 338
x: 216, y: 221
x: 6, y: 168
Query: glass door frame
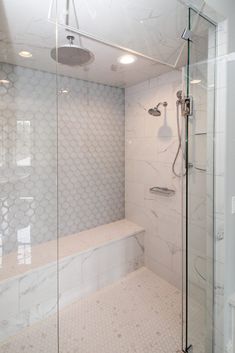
x: 187, y: 347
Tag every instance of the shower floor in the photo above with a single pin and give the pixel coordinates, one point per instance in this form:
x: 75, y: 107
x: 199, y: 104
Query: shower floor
x: 139, y: 314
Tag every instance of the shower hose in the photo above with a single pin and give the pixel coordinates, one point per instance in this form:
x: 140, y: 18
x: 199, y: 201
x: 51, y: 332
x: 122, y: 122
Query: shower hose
x: 180, y: 144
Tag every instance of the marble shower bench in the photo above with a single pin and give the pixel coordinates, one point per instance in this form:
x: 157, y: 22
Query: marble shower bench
x: 30, y: 286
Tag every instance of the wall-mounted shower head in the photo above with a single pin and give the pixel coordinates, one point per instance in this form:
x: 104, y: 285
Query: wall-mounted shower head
x: 155, y: 111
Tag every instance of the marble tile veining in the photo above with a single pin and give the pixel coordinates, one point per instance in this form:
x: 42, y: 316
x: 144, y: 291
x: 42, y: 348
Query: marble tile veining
x: 151, y: 145
x: 46, y: 253
x: 89, y: 261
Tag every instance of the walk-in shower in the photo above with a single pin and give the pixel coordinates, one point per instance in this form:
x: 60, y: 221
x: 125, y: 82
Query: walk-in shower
x: 107, y: 177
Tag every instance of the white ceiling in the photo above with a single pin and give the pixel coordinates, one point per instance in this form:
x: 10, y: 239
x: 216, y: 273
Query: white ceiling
x: 150, y: 28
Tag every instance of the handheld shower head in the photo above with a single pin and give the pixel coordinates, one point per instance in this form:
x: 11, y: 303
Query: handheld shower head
x: 155, y: 111
x: 179, y: 94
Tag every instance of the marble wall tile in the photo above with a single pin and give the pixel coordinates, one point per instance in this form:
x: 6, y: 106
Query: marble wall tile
x: 151, y: 144
x: 33, y: 296
x: 220, y: 157
x: 164, y: 272
x: 70, y: 273
x: 9, y: 298
x: 38, y: 286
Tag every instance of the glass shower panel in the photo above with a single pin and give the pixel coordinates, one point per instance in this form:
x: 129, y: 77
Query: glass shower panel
x: 200, y: 185
x: 28, y: 178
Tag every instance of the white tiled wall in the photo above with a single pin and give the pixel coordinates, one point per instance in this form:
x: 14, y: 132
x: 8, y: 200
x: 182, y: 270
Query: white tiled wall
x: 91, y: 155
x: 114, y: 251
x: 221, y: 113
x: 90, y: 141
x: 151, y: 144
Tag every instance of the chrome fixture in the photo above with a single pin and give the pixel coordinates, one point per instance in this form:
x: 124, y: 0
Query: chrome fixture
x: 187, y: 34
x: 71, y: 54
x: 162, y: 191
x: 186, y: 104
x: 179, y: 103
x: 155, y: 111
x: 179, y: 95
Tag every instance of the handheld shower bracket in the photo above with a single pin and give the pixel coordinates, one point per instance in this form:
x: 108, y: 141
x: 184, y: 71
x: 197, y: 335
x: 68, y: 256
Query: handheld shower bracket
x: 187, y: 107
x: 186, y: 104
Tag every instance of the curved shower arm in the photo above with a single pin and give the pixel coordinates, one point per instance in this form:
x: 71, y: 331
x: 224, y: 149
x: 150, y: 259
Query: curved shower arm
x: 162, y: 103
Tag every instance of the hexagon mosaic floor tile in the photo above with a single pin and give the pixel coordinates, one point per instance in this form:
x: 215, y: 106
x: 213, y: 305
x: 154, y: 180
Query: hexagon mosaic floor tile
x: 139, y: 314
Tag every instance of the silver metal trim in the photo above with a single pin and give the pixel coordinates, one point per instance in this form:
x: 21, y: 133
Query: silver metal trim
x: 187, y: 34
x: 162, y: 191
x: 188, y: 106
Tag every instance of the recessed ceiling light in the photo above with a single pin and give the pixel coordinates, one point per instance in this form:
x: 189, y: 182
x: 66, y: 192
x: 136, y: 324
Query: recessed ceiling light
x: 127, y: 59
x: 25, y: 54
x: 194, y: 82
x: 4, y: 82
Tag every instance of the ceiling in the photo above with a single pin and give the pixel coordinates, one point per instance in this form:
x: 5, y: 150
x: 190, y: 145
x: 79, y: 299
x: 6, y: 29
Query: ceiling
x: 151, y: 29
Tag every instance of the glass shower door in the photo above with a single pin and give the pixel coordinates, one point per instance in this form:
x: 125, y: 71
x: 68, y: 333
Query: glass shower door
x: 199, y: 244
x: 28, y: 180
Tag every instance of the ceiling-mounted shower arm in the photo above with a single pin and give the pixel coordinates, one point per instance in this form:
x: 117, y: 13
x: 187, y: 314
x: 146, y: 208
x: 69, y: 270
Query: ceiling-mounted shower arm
x: 70, y: 39
x: 67, y: 12
x: 53, y: 18
x: 67, y: 19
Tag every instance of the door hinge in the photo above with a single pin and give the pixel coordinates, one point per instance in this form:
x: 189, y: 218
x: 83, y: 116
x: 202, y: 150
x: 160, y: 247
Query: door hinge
x: 187, y: 34
x: 187, y: 107
x: 189, y: 349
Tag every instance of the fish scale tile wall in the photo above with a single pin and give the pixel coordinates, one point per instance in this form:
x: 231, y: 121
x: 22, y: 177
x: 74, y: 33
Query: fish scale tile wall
x: 90, y: 147
x: 91, y: 155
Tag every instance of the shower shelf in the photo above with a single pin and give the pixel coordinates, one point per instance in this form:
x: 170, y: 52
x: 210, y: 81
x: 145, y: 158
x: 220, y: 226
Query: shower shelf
x: 162, y: 191
x: 200, y: 169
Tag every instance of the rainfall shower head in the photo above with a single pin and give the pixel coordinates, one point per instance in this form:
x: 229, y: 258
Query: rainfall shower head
x: 72, y: 55
x: 155, y: 111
